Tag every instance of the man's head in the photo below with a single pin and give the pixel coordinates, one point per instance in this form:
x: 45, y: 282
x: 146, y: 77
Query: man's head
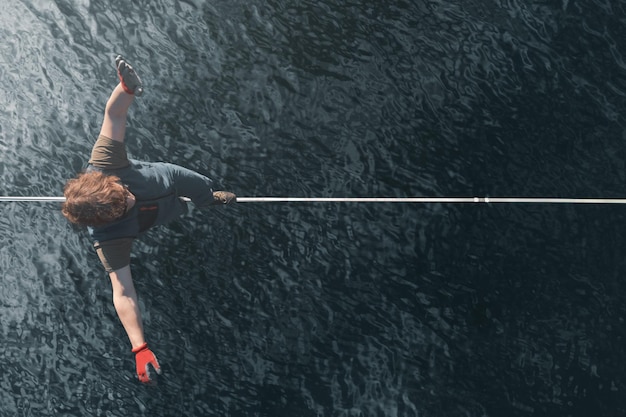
x: 94, y: 199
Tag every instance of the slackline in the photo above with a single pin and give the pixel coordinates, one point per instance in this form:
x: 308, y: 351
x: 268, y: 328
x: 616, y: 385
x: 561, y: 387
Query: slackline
x: 451, y: 200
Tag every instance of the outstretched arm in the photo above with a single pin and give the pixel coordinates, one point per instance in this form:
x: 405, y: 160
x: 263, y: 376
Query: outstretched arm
x: 127, y: 308
x: 126, y: 305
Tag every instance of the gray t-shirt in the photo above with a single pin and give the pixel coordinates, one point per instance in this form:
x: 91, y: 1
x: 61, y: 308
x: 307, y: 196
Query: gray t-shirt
x: 157, y: 187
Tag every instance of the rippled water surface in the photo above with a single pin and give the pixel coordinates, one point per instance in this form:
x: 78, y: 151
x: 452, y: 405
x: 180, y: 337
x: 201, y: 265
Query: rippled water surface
x: 323, y: 309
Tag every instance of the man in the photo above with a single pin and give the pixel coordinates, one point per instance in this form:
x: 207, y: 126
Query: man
x: 118, y: 199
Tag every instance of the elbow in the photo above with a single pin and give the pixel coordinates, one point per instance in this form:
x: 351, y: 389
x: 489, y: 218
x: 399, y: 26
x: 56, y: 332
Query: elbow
x: 124, y: 293
x: 125, y: 302
x: 124, y: 296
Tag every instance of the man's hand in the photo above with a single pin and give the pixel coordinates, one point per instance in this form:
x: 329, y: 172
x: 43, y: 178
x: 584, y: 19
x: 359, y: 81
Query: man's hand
x: 145, y: 360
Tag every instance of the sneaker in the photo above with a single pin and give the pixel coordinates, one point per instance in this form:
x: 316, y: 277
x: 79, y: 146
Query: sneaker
x: 224, y: 197
x: 129, y: 78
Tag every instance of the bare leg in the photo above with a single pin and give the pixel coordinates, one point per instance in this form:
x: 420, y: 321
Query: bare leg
x: 116, y: 111
x: 115, y: 114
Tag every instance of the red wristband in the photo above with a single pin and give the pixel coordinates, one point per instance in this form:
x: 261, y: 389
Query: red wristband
x: 139, y: 348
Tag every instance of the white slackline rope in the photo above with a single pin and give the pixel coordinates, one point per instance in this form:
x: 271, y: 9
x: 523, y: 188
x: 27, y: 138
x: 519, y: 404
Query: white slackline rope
x: 487, y: 200
x: 431, y: 200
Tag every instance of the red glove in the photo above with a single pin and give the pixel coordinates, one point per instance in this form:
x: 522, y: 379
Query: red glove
x: 145, y: 360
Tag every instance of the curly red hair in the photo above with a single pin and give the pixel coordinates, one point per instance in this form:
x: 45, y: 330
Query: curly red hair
x: 94, y: 199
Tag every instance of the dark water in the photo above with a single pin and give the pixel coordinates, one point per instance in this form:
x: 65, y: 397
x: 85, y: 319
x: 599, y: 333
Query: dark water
x: 325, y: 309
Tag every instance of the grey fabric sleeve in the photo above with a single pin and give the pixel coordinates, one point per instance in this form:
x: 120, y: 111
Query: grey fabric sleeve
x: 114, y: 254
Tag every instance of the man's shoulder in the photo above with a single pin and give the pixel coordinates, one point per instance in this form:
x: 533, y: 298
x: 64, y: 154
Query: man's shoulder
x: 124, y: 228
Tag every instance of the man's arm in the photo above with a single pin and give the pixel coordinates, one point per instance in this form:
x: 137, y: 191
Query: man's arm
x: 127, y: 308
x: 126, y: 305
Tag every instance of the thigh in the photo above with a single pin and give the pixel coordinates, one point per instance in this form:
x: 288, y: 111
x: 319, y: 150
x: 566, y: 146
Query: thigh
x: 192, y: 184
